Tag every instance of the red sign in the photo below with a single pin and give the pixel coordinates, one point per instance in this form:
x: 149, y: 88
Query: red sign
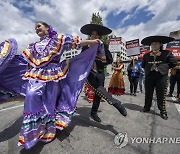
x: 143, y: 50
x: 132, y: 44
x: 175, y: 52
x: 114, y: 42
x: 174, y: 47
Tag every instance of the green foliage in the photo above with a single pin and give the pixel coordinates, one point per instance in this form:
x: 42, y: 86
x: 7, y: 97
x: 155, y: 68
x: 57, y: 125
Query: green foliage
x: 97, y: 19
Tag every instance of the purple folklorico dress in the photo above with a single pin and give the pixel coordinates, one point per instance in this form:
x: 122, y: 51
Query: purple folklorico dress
x: 12, y: 68
x: 51, y: 88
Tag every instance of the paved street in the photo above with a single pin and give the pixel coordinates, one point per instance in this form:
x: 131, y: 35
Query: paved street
x: 84, y: 136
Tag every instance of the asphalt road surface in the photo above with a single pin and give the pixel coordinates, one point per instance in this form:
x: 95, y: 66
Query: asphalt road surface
x: 138, y: 133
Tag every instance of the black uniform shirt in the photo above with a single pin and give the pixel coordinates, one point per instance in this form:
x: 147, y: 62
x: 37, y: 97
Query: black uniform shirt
x: 163, y: 62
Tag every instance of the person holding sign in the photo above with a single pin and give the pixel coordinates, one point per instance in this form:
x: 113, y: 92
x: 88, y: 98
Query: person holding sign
x: 156, y: 64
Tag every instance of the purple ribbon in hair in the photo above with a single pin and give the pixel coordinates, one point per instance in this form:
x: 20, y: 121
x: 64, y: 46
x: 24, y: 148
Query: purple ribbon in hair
x: 52, y: 32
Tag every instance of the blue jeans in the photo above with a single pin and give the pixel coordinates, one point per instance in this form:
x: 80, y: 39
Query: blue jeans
x: 141, y: 82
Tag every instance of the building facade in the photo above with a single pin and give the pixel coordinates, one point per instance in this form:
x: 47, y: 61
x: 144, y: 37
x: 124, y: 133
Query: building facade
x: 70, y: 54
x: 117, y: 46
x: 175, y: 34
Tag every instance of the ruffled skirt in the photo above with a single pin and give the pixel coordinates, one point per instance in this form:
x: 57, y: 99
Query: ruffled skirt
x: 116, y: 85
x: 48, y: 105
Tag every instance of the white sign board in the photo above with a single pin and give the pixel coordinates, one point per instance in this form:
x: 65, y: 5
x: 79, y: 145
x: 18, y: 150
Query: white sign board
x: 132, y: 47
x: 115, y: 45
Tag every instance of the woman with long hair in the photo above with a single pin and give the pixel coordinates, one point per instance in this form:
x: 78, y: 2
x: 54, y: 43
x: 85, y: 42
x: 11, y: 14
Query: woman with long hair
x: 51, y: 87
x: 116, y: 85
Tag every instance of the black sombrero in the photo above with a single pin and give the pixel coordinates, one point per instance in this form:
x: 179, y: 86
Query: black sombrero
x: 162, y: 39
x: 89, y: 28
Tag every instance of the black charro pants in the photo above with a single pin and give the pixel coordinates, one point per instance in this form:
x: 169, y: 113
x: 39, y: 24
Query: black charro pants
x: 173, y: 80
x: 178, y: 82
x: 96, y: 80
x: 154, y: 80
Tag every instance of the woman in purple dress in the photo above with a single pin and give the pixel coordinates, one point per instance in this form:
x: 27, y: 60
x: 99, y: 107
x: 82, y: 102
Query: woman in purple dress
x: 51, y: 88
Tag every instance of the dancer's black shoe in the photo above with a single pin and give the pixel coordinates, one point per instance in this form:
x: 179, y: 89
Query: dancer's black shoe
x: 120, y: 108
x: 144, y: 110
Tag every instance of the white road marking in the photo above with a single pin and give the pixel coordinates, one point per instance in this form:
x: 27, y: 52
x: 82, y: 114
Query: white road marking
x: 174, y: 98
x: 176, y: 105
x: 11, y: 108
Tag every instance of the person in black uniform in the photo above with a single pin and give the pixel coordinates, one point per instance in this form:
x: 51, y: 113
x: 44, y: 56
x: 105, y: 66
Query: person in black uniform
x: 96, y: 77
x: 156, y: 65
x: 175, y: 78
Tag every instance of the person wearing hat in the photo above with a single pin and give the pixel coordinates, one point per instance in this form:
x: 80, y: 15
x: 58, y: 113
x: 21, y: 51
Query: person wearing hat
x: 51, y: 86
x: 157, y: 64
x: 96, y: 77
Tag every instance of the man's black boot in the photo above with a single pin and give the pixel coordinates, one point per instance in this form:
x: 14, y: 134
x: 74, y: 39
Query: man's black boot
x: 164, y: 116
x: 120, y: 108
x: 112, y: 101
x: 144, y: 110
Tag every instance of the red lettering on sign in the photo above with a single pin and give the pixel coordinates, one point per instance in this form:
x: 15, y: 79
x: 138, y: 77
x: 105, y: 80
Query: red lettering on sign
x: 132, y: 45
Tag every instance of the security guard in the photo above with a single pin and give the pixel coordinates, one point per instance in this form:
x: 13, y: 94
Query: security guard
x: 156, y: 65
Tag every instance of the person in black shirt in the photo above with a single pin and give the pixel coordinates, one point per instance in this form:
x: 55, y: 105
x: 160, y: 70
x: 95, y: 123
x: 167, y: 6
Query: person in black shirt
x: 156, y: 64
x: 96, y: 77
x: 175, y: 78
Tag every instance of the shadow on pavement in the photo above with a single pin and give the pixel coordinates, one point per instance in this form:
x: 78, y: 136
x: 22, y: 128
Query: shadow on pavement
x: 137, y: 108
x: 172, y: 101
x: 82, y: 119
x: 11, y: 131
x: 34, y: 150
x: 10, y: 98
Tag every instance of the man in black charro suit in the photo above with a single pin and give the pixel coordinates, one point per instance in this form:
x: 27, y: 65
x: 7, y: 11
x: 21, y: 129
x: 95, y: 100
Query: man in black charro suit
x: 156, y: 65
x: 96, y: 77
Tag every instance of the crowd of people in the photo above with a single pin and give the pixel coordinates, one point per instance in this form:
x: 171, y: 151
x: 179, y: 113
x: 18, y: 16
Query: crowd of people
x: 152, y: 71
x: 51, y: 88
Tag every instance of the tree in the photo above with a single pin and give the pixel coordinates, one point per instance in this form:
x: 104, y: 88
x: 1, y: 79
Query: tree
x: 97, y: 19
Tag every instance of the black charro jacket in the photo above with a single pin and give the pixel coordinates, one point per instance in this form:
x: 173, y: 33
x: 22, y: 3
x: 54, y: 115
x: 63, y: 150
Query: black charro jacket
x: 164, y: 62
x: 97, y: 78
